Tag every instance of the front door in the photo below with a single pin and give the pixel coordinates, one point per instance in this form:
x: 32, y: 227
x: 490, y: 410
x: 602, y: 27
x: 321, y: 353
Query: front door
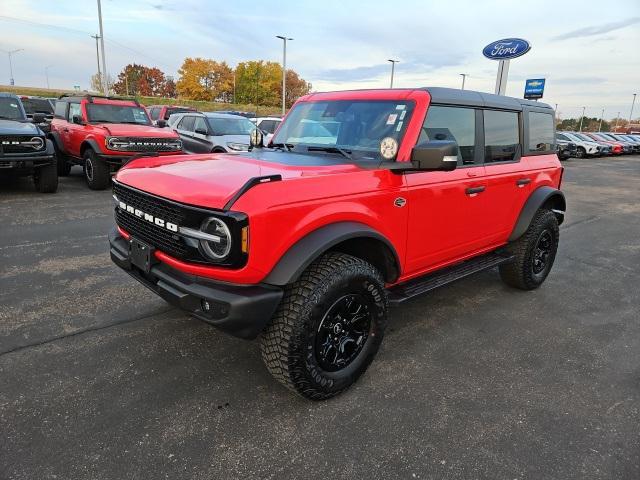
x: 447, y: 209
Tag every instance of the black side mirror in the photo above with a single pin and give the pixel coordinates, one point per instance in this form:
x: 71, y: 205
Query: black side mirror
x: 161, y: 123
x: 439, y: 155
x: 38, y: 118
x: 77, y: 119
x: 201, y: 131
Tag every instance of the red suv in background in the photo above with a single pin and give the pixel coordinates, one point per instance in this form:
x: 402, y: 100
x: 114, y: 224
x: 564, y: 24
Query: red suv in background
x: 161, y: 113
x: 102, y: 133
x: 361, y: 199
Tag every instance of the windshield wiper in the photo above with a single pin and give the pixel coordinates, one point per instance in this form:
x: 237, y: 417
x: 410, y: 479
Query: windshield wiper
x: 341, y: 151
x: 285, y: 146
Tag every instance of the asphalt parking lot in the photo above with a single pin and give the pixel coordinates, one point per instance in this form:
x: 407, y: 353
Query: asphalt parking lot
x: 100, y: 379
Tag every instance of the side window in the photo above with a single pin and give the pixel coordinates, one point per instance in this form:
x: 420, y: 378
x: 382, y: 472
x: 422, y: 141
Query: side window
x: 268, y: 126
x: 541, y: 132
x: 560, y: 136
x: 74, y: 109
x: 154, y: 113
x: 452, y: 123
x: 501, y: 136
x: 61, y: 110
x: 186, y: 124
x: 200, y: 124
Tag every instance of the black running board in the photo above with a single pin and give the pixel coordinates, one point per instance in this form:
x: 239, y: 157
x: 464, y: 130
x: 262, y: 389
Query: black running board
x: 418, y: 286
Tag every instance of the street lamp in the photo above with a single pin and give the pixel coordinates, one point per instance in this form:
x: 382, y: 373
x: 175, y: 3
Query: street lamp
x: 393, y: 67
x: 464, y: 76
x: 632, y: 105
x: 105, y: 75
x: 284, y: 71
x: 601, y: 115
x: 46, y: 74
x: 581, y: 118
x: 10, y: 53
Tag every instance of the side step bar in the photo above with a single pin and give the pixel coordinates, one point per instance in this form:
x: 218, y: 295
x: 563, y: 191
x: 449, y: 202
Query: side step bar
x: 418, y: 286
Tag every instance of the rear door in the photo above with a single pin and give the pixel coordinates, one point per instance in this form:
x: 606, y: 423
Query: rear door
x: 185, y: 128
x: 200, y: 139
x: 446, y: 209
x: 74, y: 132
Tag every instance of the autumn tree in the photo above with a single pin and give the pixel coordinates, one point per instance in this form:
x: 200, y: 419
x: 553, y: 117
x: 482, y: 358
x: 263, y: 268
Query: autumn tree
x: 137, y: 79
x: 260, y: 83
x: 296, y: 88
x: 205, y: 79
x: 96, y: 82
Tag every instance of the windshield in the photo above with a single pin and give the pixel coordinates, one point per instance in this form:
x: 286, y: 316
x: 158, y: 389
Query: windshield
x: 10, y: 109
x: 357, y: 127
x: 108, y: 113
x: 37, y: 105
x: 230, y: 126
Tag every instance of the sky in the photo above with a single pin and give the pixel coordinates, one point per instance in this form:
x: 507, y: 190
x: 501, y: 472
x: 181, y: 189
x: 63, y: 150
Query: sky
x: 588, y: 52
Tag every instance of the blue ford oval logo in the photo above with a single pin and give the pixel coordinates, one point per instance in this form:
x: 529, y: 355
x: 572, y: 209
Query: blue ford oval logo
x: 506, y: 49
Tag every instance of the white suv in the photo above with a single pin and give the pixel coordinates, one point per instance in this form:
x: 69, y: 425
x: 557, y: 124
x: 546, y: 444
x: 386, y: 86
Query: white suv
x: 584, y: 149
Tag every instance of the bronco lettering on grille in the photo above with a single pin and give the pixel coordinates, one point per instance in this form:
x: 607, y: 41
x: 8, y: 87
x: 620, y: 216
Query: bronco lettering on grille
x: 148, y: 217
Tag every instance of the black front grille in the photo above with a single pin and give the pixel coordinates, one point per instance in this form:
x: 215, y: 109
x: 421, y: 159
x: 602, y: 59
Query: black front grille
x: 149, y: 144
x: 16, y: 144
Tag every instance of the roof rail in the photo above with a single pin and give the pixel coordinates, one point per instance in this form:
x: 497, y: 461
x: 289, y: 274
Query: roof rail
x: 90, y: 97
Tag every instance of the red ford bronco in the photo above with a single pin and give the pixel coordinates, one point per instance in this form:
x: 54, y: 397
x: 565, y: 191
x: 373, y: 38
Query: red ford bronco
x: 361, y: 199
x: 102, y: 133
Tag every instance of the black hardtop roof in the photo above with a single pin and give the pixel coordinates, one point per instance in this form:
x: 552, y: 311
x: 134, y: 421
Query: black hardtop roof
x: 71, y: 97
x: 454, y: 96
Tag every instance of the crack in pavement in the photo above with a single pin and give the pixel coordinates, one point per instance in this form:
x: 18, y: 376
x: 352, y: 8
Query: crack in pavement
x: 85, y: 330
x: 50, y: 242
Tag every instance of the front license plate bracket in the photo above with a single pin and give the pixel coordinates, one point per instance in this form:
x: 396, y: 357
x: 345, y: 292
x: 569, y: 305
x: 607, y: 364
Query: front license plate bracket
x: 141, y: 254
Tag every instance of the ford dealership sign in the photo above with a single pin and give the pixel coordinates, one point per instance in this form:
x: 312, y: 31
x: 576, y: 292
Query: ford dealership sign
x: 506, y: 49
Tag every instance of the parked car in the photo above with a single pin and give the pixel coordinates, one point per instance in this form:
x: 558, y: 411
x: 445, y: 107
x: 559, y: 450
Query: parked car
x: 39, y: 105
x: 164, y: 112
x: 565, y: 149
x: 628, y: 146
x: 268, y: 126
x: 635, y: 144
x: 212, y: 132
x: 102, y: 133
x: 617, y: 148
x: 238, y: 112
x: 305, y: 243
x: 24, y: 148
x: 583, y: 148
x: 605, y: 148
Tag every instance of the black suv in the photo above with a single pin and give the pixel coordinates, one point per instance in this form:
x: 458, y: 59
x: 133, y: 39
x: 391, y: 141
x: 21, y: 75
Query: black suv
x: 24, y: 150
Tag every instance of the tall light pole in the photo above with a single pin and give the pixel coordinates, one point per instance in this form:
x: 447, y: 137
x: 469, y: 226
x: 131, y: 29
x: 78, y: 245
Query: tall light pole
x: 97, y: 37
x: 10, y: 53
x: 284, y: 71
x: 46, y: 74
x: 464, y: 76
x: 601, y: 115
x: 581, y: 118
x: 632, y: 105
x: 105, y: 76
x: 393, y: 67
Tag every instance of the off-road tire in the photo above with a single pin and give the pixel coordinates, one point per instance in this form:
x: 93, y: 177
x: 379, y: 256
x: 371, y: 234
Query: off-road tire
x: 521, y: 273
x: 64, y: 167
x: 46, y: 178
x: 96, y: 171
x: 288, y: 344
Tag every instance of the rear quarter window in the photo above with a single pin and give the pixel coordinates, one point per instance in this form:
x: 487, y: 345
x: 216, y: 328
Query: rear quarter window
x: 541, y: 132
x: 61, y: 109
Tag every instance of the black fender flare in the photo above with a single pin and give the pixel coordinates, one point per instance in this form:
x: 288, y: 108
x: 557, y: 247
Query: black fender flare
x: 541, y: 196
x: 49, y: 145
x: 310, y: 247
x: 93, y: 144
x: 57, y: 141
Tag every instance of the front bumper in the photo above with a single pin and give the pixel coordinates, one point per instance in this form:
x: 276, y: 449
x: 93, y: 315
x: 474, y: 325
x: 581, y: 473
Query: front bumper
x: 25, y: 162
x: 240, y: 310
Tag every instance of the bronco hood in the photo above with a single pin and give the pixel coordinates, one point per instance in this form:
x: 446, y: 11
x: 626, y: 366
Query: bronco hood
x: 211, y: 180
x: 130, y: 130
x: 15, y: 127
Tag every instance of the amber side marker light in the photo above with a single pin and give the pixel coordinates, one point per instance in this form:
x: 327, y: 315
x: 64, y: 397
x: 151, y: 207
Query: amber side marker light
x: 245, y: 239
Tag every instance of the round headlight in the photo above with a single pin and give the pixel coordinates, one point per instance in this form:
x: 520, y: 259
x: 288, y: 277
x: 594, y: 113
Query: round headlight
x: 218, y: 247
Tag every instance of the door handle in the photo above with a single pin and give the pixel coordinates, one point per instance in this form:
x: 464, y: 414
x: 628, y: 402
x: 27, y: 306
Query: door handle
x: 474, y: 190
x: 521, y: 182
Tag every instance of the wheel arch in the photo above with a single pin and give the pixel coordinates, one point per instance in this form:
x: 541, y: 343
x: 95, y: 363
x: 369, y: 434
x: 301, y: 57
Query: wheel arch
x: 57, y: 141
x: 353, y: 238
x: 543, y: 197
x: 89, y: 143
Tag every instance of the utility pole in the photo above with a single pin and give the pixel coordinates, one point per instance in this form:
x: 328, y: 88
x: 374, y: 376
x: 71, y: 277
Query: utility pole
x: 46, y: 74
x: 234, y: 87
x: 464, y: 76
x: 601, y: 115
x: 284, y: 71
x: 96, y: 37
x: 581, y: 118
x: 393, y: 67
x: 617, y: 119
x: 10, y: 53
x: 632, y: 105
x: 105, y: 75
